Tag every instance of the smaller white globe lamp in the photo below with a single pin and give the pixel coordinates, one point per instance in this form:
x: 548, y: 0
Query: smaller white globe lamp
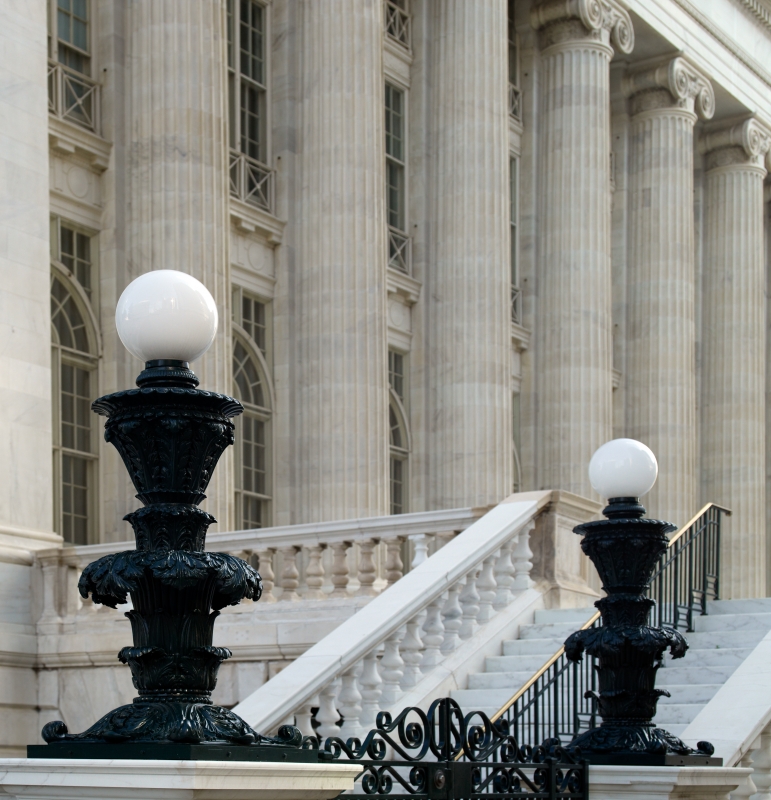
x: 623, y: 468
x: 166, y: 314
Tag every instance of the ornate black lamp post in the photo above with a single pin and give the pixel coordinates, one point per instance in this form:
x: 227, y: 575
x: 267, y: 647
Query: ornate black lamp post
x: 625, y: 548
x: 170, y: 436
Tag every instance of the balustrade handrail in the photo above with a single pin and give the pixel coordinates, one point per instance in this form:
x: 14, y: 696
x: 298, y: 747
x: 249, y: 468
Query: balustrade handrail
x: 681, y: 542
x: 352, y: 648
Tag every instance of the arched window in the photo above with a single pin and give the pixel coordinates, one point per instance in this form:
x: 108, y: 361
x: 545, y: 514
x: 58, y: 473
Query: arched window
x: 252, y: 482
x: 400, y: 451
x: 73, y: 370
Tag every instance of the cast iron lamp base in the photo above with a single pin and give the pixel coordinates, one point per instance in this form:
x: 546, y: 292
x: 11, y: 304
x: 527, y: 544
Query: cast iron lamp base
x: 625, y: 549
x: 170, y: 436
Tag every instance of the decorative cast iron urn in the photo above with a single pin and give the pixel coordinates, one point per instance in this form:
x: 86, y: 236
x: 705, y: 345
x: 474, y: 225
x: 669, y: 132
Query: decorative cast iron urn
x: 170, y: 436
x: 625, y: 548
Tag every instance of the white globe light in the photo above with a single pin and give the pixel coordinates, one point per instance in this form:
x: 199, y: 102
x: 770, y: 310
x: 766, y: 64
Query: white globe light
x: 623, y: 468
x: 166, y: 314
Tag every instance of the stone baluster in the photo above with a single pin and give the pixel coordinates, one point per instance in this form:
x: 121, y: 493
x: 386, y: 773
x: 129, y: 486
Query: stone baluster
x: 504, y: 576
x: 349, y: 701
x: 733, y: 395
x: 391, y: 668
x: 340, y: 573
x: 747, y: 787
x: 411, y: 651
x: 327, y: 716
x: 265, y: 559
x: 573, y: 316
x: 290, y: 574
x: 469, y: 603
x: 660, y: 302
x: 394, y: 565
x: 433, y: 634
x: 304, y: 715
x: 452, y: 616
x: 371, y: 688
x: 367, y: 573
x: 50, y: 569
x: 522, y: 555
x: 486, y: 586
x: 420, y: 544
x: 314, y: 574
x: 761, y: 763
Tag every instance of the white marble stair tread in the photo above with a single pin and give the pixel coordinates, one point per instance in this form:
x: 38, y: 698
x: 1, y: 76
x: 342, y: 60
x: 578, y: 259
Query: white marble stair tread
x: 702, y: 640
x: 677, y: 713
x: 498, y: 680
x: 524, y: 647
x: 757, y: 605
x: 529, y: 663
x: 715, y: 656
x: 678, y: 672
x: 729, y: 622
x: 473, y: 699
x: 562, y: 615
x: 676, y: 729
x: 700, y: 693
x: 548, y: 630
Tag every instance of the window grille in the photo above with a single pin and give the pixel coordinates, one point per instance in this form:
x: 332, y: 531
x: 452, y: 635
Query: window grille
x: 72, y: 248
x: 72, y: 35
x: 74, y: 365
x: 251, y: 314
x: 516, y: 292
x: 397, y: 21
x: 515, y: 94
x: 252, y: 482
x: 516, y: 467
x: 399, y: 245
x: 398, y: 463
x: 396, y: 373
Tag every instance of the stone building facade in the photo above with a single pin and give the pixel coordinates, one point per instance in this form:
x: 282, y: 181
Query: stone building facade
x: 456, y: 245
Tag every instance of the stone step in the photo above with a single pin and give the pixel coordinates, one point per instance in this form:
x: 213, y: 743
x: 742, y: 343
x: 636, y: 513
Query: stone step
x: 499, y: 680
x: 706, y: 640
x: 758, y: 605
x: 481, y: 699
x: 577, y: 615
x: 697, y: 658
x: 527, y: 664
x: 733, y: 622
x: 676, y: 673
x: 526, y: 647
x: 676, y: 713
x: 548, y: 630
x: 688, y: 692
x: 676, y: 729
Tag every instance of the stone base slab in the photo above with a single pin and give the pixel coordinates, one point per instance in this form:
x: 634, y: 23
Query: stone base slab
x: 664, y: 783
x: 79, y: 779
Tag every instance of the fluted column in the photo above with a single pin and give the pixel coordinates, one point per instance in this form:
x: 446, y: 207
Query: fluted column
x: 338, y: 390
x: 573, y: 319
x: 466, y: 361
x: 734, y: 352
x: 661, y: 377
x: 177, y: 172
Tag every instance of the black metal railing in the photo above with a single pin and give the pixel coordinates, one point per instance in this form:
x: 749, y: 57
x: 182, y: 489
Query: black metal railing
x: 444, y: 753
x: 558, y: 701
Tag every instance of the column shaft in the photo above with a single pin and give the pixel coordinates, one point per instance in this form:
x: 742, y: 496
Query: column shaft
x: 177, y: 166
x: 733, y: 365
x: 573, y: 323
x: 661, y: 381
x: 464, y: 369
x: 338, y: 391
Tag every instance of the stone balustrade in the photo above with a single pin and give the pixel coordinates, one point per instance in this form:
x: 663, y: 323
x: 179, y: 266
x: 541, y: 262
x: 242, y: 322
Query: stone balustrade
x: 315, y: 561
x: 377, y: 657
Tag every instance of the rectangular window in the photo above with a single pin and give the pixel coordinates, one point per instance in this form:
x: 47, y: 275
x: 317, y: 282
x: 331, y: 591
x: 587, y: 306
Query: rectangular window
x: 247, y: 79
x: 515, y: 94
x: 516, y: 443
x: 251, y: 313
x: 72, y: 35
x: 72, y: 247
x: 516, y: 294
x: 396, y: 373
x: 394, y: 126
x: 397, y: 485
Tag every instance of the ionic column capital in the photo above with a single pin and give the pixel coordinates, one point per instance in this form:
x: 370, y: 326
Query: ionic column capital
x: 744, y: 142
x: 603, y: 21
x: 671, y: 83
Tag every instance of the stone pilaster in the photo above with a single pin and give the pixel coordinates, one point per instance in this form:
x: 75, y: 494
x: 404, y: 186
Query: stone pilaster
x: 176, y: 184
x: 462, y: 361
x: 573, y: 358
x: 334, y: 414
x: 660, y: 379
x: 734, y: 352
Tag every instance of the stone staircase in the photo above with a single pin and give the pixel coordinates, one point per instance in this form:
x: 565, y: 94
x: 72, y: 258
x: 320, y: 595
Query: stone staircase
x: 722, y: 640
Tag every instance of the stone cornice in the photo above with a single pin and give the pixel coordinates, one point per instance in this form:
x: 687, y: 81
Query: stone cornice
x: 603, y: 20
x: 687, y: 88
x: 737, y: 142
x: 761, y: 9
